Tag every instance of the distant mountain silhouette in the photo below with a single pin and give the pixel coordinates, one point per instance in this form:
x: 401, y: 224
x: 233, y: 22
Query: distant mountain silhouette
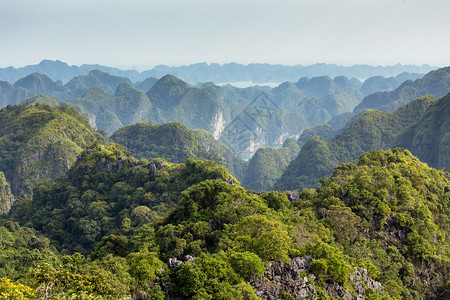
x: 203, y: 72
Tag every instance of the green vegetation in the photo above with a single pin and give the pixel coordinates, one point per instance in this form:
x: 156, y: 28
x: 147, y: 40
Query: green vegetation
x: 429, y: 138
x: 268, y: 164
x: 436, y: 83
x: 108, y: 191
x: 390, y: 210
x: 91, y: 221
x: 174, y: 142
x: 35, y: 270
x: 374, y: 130
x: 151, y: 228
x: 40, y: 142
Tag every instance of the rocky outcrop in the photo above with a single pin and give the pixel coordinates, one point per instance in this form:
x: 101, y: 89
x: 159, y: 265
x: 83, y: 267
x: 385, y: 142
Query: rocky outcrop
x: 175, y: 262
x: 280, y: 279
x: 283, y: 281
x: 361, y: 279
x: 218, y: 125
x: 294, y: 280
x: 6, y: 197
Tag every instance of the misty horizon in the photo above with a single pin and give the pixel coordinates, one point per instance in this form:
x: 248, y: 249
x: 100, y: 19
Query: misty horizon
x: 145, y: 34
x: 144, y: 67
x: 230, y: 73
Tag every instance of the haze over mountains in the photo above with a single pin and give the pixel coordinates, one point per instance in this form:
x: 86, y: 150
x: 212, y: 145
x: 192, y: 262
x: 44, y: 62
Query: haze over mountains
x: 203, y: 72
x: 102, y: 98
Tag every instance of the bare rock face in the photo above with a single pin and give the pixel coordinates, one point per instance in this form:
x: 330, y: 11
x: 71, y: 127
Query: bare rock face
x: 294, y: 280
x: 174, y: 262
x: 160, y: 165
x: 281, y: 280
x: 152, y: 168
x: 6, y: 197
x: 360, y: 277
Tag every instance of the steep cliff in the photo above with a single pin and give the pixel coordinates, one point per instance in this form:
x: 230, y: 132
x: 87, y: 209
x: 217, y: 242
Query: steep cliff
x: 6, y: 197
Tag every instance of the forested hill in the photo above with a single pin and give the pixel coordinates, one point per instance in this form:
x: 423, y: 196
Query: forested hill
x: 429, y: 138
x: 109, y: 191
x: 268, y: 164
x: 375, y: 130
x: 436, y: 83
x: 378, y: 229
x: 174, y: 142
x: 40, y: 142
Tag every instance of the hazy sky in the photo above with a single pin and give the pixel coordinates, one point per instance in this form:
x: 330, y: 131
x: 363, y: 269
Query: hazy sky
x: 142, y: 34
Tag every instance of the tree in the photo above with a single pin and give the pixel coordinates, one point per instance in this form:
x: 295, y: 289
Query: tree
x: 247, y: 264
x: 144, y: 266
x: 15, y: 291
x: 266, y: 238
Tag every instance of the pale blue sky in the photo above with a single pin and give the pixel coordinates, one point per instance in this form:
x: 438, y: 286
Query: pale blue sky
x: 127, y: 33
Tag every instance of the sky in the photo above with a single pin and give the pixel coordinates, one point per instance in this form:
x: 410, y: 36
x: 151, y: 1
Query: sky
x: 141, y: 34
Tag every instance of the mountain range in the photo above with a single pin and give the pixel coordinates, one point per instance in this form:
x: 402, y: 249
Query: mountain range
x: 259, y: 116
x: 203, y: 72
x: 228, y: 113
x: 104, y: 195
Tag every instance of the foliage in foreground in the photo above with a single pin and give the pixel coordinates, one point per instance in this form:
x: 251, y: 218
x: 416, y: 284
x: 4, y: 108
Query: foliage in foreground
x: 388, y: 214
